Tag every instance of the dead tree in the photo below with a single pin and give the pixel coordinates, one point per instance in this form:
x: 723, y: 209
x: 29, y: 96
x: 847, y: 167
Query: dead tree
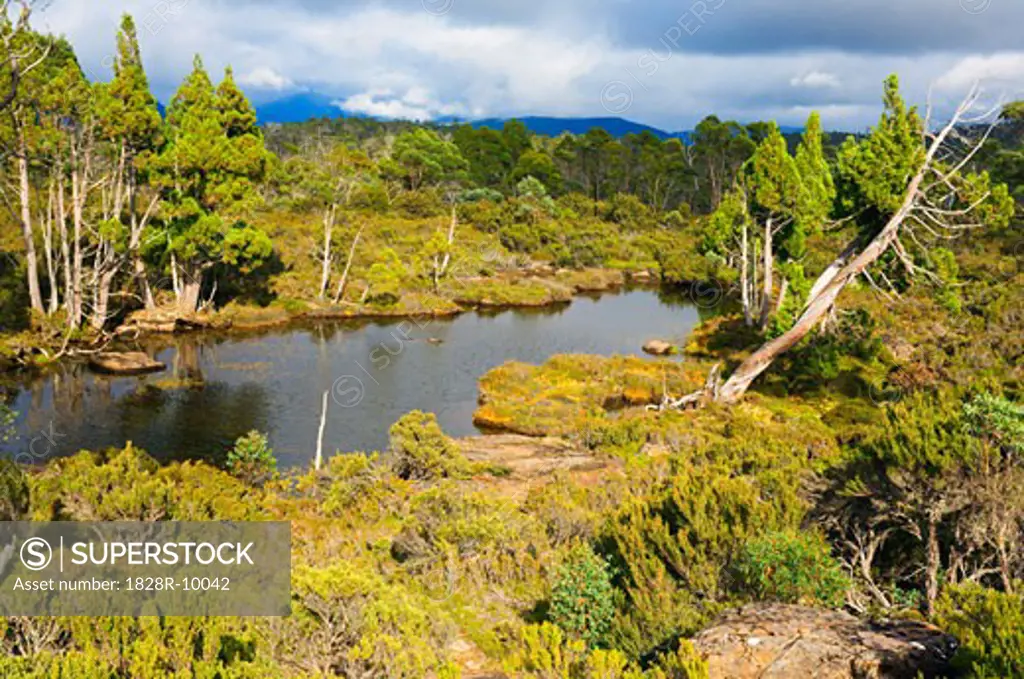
x: 930, y: 205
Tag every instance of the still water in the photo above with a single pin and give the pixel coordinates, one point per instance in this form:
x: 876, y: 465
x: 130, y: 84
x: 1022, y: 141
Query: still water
x: 219, y: 386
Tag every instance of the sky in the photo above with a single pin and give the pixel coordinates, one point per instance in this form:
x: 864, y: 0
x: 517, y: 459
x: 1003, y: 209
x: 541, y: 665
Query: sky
x: 666, y: 63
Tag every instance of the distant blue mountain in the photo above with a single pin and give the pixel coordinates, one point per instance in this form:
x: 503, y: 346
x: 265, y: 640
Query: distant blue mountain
x: 305, y: 106
x: 552, y: 127
x: 298, y: 108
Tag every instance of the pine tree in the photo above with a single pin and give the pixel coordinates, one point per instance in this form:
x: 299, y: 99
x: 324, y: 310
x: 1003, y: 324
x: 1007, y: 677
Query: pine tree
x: 210, y: 167
x: 131, y: 121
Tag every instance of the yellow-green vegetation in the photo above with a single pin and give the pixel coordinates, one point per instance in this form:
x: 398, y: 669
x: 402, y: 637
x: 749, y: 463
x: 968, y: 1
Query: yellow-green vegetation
x: 556, y: 397
x: 395, y: 558
x: 500, y: 292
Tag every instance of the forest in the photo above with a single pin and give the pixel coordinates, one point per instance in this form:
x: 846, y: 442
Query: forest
x: 844, y: 434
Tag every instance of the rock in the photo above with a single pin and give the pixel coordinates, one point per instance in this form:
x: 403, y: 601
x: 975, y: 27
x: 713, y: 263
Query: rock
x: 641, y: 276
x: 660, y: 348
x: 528, y: 457
x: 777, y: 641
x: 162, y: 321
x: 126, y: 363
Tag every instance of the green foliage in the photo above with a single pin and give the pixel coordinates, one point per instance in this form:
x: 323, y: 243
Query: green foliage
x: 791, y: 567
x: 875, y: 171
x: 129, y: 485
x: 924, y: 442
x: 252, y: 459
x: 819, y: 190
x: 209, y: 171
x: 422, y: 158
x: 14, y: 492
x: 990, y: 628
x: 684, y: 663
x: 421, y: 451
x: 996, y: 420
x: 349, y: 621
x: 7, y: 417
x: 581, y: 596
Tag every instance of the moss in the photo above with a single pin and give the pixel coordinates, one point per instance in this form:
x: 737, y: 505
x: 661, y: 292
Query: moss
x: 513, y: 292
x: 552, y: 399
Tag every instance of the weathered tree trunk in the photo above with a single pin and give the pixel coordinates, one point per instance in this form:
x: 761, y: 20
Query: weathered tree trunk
x: 65, y: 246
x: 933, y: 560
x: 451, y: 241
x: 136, y: 227
x: 769, y: 269
x: 748, y: 315
x: 343, y: 283
x: 783, y: 290
x: 25, y: 197
x: 325, y: 264
x: 819, y: 306
x: 189, y: 289
x: 78, y: 193
x: 49, y: 251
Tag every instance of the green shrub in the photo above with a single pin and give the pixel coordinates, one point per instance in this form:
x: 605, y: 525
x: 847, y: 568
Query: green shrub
x: 420, y: 450
x: 792, y: 567
x: 684, y: 663
x: 990, y: 627
x: 6, y: 423
x: 14, y: 495
x: 252, y: 459
x: 581, y: 598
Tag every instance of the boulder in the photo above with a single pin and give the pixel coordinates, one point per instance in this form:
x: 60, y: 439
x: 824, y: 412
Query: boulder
x: 660, y: 348
x: 125, y: 363
x: 777, y: 641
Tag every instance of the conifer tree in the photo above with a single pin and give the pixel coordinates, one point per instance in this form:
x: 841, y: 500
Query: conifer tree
x: 131, y: 121
x: 214, y: 158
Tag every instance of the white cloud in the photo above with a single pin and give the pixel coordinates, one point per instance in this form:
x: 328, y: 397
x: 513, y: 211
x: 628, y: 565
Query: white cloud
x: 381, y: 59
x: 415, y: 104
x: 1004, y: 71
x: 815, y: 80
x: 265, y: 78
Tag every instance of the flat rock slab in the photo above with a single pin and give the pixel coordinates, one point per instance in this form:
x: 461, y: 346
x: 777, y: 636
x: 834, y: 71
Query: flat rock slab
x: 125, y: 363
x: 776, y: 641
x: 660, y: 348
x: 527, y: 457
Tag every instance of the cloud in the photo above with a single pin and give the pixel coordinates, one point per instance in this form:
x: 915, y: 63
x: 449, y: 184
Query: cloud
x: 1003, y: 71
x: 415, y: 104
x: 265, y: 78
x: 680, y: 61
x: 815, y: 80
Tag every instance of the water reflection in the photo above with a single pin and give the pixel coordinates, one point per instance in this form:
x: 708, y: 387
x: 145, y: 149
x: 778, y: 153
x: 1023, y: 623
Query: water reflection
x: 220, y: 386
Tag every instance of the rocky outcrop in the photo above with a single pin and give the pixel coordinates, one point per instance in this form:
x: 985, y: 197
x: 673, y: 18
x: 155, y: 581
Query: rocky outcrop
x: 163, y: 321
x: 125, y: 363
x: 660, y: 348
x: 526, y: 458
x: 775, y: 641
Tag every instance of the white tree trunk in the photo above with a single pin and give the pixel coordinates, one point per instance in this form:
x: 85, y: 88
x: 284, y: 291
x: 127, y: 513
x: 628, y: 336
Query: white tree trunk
x: 25, y: 198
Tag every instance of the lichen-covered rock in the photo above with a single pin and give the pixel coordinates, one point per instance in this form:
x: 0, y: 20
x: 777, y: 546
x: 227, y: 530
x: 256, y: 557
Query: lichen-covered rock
x: 775, y: 641
x: 125, y: 363
x: 660, y: 348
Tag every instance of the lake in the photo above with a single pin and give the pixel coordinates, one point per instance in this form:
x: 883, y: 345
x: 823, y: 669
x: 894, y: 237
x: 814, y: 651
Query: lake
x: 219, y: 386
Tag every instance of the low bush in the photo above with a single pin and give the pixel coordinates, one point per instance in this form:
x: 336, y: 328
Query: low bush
x: 791, y: 567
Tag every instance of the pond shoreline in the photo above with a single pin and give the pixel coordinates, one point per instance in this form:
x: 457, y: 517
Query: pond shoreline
x: 33, y: 353
x: 221, y: 383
